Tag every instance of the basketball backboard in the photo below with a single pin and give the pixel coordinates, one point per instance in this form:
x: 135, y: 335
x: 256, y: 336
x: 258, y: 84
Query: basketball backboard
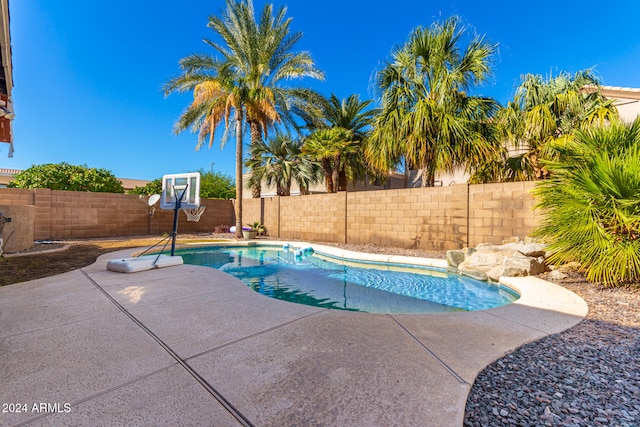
x: 174, y: 185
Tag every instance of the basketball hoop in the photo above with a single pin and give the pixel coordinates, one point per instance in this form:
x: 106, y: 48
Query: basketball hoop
x: 194, y: 215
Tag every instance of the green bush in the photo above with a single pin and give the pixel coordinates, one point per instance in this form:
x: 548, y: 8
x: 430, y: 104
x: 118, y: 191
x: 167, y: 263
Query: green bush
x: 63, y: 176
x: 152, y: 187
x: 592, y: 203
x: 212, y: 186
x: 216, y: 186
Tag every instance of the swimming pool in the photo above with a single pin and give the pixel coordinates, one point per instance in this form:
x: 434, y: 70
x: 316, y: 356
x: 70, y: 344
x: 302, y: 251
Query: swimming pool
x: 323, y: 281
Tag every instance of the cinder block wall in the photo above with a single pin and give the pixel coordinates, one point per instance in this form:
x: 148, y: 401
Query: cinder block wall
x: 16, y: 196
x: 315, y: 217
x: 265, y: 211
x: 79, y: 215
x: 501, y: 211
x: 436, y: 218
x: 217, y: 212
x: 425, y: 218
x: 251, y: 211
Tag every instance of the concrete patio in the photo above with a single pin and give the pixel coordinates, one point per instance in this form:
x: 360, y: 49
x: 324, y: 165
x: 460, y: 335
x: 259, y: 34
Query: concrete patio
x: 190, y: 345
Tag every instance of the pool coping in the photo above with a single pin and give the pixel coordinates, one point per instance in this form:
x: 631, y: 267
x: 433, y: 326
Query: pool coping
x: 268, y: 359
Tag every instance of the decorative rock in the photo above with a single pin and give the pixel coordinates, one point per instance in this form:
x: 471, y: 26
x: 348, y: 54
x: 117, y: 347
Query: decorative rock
x: 530, y: 249
x: 556, y: 275
x: 455, y: 257
x: 490, y: 262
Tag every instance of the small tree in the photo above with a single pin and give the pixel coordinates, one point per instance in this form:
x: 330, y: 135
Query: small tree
x: 63, y: 176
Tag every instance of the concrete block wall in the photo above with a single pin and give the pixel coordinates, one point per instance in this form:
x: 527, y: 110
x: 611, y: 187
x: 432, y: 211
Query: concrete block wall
x: 17, y: 235
x: 501, y: 211
x: 16, y: 196
x: 315, y: 217
x: 80, y: 215
x: 436, y: 218
x: 424, y: 218
x: 217, y: 212
x: 251, y: 211
x: 42, y: 204
x: 265, y: 211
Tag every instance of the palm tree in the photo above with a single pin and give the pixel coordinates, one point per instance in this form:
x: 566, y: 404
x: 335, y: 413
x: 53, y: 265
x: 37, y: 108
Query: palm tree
x: 592, y: 202
x: 217, y: 96
x: 244, y: 82
x: 280, y: 161
x: 548, y: 111
x: 331, y: 147
x: 351, y: 114
x: 261, y: 51
x: 428, y: 121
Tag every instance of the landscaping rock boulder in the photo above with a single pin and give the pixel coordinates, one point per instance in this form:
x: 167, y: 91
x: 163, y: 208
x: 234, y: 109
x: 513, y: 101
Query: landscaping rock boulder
x: 490, y: 262
x: 455, y: 257
x: 517, y: 265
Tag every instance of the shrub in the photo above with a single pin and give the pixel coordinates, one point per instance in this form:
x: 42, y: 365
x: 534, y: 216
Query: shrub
x: 63, y: 176
x: 152, y: 187
x: 592, y: 203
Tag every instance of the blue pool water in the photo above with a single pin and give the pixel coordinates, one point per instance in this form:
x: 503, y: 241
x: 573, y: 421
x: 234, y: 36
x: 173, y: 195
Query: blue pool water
x: 324, y: 282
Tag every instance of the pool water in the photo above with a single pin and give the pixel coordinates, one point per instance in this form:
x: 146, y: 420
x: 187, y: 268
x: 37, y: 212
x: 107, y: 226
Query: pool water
x: 321, y: 281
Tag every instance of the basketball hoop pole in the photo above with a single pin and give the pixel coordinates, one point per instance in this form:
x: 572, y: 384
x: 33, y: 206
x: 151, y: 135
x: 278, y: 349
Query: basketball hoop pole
x: 175, y: 218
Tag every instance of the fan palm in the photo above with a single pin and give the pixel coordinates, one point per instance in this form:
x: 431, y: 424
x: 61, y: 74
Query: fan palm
x: 547, y: 111
x: 352, y: 115
x: 428, y: 121
x: 331, y: 147
x: 262, y: 52
x: 592, y: 202
x: 280, y: 161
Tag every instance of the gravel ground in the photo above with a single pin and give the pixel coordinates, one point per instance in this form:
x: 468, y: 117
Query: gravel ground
x: 588, y: 375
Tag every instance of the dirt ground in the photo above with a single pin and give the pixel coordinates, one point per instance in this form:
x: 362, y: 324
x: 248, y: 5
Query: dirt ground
x: 35, y: 264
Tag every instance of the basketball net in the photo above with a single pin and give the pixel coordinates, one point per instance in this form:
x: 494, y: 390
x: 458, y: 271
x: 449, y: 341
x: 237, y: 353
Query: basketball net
x: 194, y: 215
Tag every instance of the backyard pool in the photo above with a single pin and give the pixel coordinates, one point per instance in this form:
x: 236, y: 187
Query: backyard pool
x: 321, y: 281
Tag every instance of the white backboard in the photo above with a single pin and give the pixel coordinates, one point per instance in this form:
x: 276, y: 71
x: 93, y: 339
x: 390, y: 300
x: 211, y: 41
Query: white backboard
x: 175, y: 184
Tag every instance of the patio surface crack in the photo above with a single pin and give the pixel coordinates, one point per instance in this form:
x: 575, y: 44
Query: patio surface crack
x: 241, y: 418
x: 432, y: 354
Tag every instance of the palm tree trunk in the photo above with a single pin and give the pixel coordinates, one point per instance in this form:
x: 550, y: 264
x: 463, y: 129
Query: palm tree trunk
x: 238, y: 206
x: 256, y: 136
x: 326, y: 167
x: 342, y: 180
x: 407, y: 173
x: 335, y: 173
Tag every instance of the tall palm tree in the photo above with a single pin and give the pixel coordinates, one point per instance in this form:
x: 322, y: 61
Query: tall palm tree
x: 280, y: 161
x: 262, y: 52
x: 217, y: 95
x: 255, y: 57
x: 548, y: 111
x: 428, y: 120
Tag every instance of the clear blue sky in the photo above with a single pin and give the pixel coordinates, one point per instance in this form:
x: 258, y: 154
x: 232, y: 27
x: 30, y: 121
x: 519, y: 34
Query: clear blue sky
x: 88, y: 74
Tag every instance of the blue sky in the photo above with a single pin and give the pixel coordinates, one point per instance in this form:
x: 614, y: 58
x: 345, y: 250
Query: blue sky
x: 88, y: 74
